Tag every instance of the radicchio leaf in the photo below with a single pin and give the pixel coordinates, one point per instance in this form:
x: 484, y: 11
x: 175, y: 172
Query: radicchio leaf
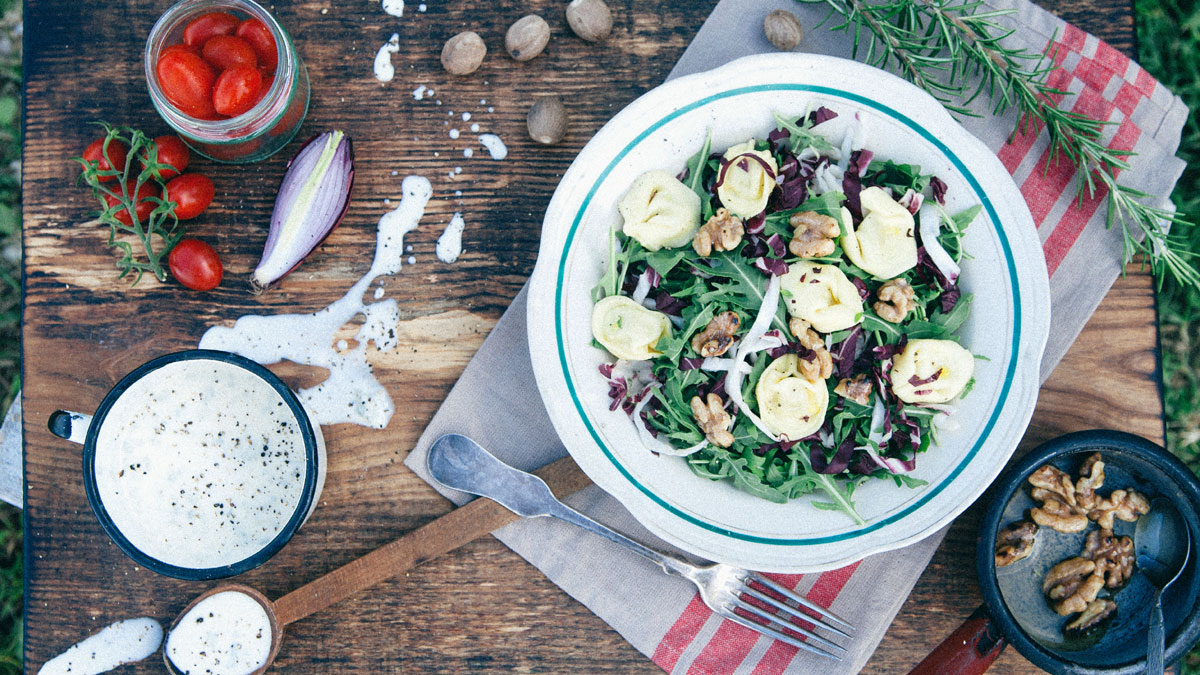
x: 778, y: 247
x: 690, y: 363
x: 950, y: 298
x: 669, y: 304
x: 939, y: 189
x: 917, y: 381
x: 841, y: 458
x: 861, y: 285
x: 771, y: 266
x: 756, y: 224
x: 821, y: 115
x: 756, y: 247
x: 845, y: 351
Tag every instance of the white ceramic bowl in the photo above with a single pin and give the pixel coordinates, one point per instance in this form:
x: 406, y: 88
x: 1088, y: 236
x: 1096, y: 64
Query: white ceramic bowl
x: 1008, y: 324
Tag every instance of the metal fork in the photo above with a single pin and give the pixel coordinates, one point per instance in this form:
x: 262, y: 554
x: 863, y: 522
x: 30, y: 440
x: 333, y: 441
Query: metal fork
x: 462, y: 464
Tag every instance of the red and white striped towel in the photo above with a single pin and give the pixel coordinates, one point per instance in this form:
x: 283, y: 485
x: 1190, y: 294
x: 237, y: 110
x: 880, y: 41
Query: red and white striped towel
x: 662, y: 616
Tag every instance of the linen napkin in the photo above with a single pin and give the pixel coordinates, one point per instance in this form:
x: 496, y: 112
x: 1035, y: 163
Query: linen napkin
x: 662, y: 616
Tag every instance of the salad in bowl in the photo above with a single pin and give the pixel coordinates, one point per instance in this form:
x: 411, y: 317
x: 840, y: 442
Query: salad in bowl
x: 784, y: 313
x: 788, y: 313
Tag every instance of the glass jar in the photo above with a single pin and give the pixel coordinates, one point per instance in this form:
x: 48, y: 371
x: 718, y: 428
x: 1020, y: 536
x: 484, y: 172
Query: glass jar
x: 255, y: 134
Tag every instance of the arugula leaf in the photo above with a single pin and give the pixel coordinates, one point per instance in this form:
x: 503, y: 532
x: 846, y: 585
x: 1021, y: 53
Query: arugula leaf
x: 665, y: 259
x: 672, y: 345
x: 898, y: 177
x: 696, y: 166
x: 747, y: 288
x: 802, y: 136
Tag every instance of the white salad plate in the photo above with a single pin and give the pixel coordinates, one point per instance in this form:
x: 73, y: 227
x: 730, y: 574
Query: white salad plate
x: 1008, y: 324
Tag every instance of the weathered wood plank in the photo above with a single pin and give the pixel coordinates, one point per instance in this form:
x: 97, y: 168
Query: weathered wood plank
x: 83, y: 330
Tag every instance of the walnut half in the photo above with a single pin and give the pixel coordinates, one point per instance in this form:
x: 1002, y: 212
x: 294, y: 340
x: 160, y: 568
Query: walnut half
x: 1071, y: 585
x: 813, y: 234
x: 818, y: 365
x: 857, y: 389
x: 1124, y: 505
x: 895, y: 300
x: 1015, y: 542
x: 717, y: 336
x: 713, y: 420
x: 1113, y: 556
x: 1097, y: 613
x: 722, y: 232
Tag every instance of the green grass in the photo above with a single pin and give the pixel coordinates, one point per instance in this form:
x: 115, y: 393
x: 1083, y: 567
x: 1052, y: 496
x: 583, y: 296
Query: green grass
x: 1169, y: 47
x: 11, y: 563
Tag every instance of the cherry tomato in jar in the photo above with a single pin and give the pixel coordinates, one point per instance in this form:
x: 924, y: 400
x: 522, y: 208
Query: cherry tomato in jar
x: 267, y: 81
x: 236, y: 90
x: 196, y: 265
x: 259, y: 36
x: 144, y: 207
x: 117, y: 152
x: 227, y: 51
x: 187, y: 81
x: 173, y: 152
x: 191, y: 192
x: 206, y: 26
x: 179, y: 48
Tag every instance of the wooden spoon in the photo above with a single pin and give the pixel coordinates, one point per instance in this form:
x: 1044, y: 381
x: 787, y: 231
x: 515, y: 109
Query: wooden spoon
x: 445, y: 534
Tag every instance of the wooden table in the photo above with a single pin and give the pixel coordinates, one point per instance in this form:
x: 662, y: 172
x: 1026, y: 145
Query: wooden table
x: 84, y: 329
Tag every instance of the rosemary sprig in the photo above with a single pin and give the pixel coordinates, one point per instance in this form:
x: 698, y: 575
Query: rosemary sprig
x: 956, y: 53
x: 117, y: 188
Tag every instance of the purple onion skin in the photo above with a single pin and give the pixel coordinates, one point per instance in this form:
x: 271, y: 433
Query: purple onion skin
x: 346, y: 148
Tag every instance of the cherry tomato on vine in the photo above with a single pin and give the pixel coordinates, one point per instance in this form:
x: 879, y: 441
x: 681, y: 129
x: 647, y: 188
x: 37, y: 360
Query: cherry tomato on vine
x: 171, y: 151
x: 187, y: 81
x: 205, y: 26
x: 196, y: 265
x: 117, y: 152
x: 226, y: 51
x: 236, y: 90
x: 259, y: 36
x: 191, y: 192
x: 144, y: 205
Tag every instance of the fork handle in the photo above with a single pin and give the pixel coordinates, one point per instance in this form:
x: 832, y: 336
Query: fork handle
x: 442, y: 535
x: 670, y: 565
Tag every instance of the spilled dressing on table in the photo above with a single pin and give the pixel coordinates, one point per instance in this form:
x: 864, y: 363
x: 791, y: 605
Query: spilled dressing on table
x: 116, y: 644
x: 227, y: 633
x: 449, y: 245
x: 351, y: 393
x: 384, y: 70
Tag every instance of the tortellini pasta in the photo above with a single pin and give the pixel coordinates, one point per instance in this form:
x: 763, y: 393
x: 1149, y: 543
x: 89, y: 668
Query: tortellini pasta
x: 821, y: 295
x: 627, y: 329
x: 789, y: 403
x: 884, y: 243
x: 931, y: 371
x: 747, y: 185
x: 659, y: 211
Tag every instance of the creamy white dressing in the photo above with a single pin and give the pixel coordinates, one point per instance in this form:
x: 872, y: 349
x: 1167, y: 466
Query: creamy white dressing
x: 200, y: 464
x: 227, y: 633
x: 419, y: 94
x: 115, y: 645
x: 449, y: 245
x: 474, y: 128
x: 351, y: 393
x: 384, y: 71
x: 394, y: 7
x: 454, y: 134
x: 421, y: 7
x: 468, y: 153
x: 466, y: 117
x: 495, y: 146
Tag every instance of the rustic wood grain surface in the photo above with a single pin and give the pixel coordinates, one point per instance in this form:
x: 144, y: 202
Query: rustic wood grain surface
x: 480, y: 607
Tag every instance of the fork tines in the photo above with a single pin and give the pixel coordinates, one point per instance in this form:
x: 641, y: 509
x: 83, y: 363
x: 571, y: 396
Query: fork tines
x: 785, y: 618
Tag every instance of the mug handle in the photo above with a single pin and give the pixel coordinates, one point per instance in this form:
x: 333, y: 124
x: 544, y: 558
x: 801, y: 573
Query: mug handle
x: 71, y: 426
